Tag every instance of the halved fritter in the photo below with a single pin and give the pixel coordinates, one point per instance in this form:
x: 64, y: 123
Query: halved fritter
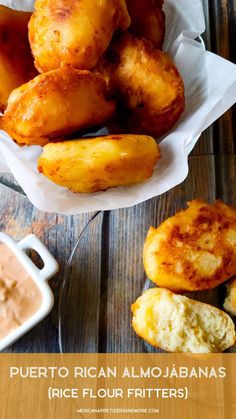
x: 16, y: 61
x: 178, y: 324
x: 56, y: 104
x: 74, y: 32
x: 96, y: 164
x: 230, y: 301
x: 147, y: 20
x: 146, y: 83
x: 194, y: 250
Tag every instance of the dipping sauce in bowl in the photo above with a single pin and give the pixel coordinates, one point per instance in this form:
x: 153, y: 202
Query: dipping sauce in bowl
x: 20, y: 297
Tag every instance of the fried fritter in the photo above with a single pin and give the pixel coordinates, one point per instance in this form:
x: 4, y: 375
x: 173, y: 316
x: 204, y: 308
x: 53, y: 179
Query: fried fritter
x: 148, y: 86
x: 178, y: 324
x: 96, y: 164
x: 56, y: 104
x: 74, y: 32
x: 194, y: 250
x: 147, y: 20
x: 230, y: 301
x: 16, y: 61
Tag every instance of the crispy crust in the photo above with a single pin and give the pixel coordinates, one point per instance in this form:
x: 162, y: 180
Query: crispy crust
x: 91, y: 165
x: 146, y: 83
x: 74, y: 32
x: 16, y: 61
x: 147, y: 20
x: 194, y: 250
x: 56, y: 104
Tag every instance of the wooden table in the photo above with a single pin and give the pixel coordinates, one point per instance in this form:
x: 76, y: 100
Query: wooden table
x: 107, y: 274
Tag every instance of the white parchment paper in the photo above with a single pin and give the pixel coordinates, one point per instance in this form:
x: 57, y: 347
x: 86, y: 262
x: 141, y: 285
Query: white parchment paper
x: 210, y: 83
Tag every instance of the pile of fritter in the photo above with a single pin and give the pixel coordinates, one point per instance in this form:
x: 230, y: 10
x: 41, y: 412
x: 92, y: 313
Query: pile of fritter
x: 195, y: 250
x: 100, y: 63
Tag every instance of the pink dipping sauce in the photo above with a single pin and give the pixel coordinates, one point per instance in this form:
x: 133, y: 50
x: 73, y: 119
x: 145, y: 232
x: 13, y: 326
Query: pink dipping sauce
x: 20, y: 297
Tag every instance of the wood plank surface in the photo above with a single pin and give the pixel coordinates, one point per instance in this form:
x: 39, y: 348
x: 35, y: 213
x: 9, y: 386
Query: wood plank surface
x: 222, y: 32
x: 205, y: 144
x: 107, y: 273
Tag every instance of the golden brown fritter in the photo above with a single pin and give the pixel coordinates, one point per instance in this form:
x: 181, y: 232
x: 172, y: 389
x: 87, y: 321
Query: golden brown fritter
x: 178, y: 324
x: 147, y: 20
x: 74, y: 32
x: 56, y: 104
x: 194, y: 250
x: 96, y: 164
x: 16, y: 61
x: 146, y: 83
x: 230, y: 301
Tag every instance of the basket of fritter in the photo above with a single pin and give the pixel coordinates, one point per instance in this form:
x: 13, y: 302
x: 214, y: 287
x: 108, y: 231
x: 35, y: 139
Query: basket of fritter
x: 71, y: 68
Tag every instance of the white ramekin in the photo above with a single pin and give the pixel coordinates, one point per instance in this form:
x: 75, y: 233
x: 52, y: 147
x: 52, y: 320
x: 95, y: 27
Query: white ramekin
x: 40, y: 276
